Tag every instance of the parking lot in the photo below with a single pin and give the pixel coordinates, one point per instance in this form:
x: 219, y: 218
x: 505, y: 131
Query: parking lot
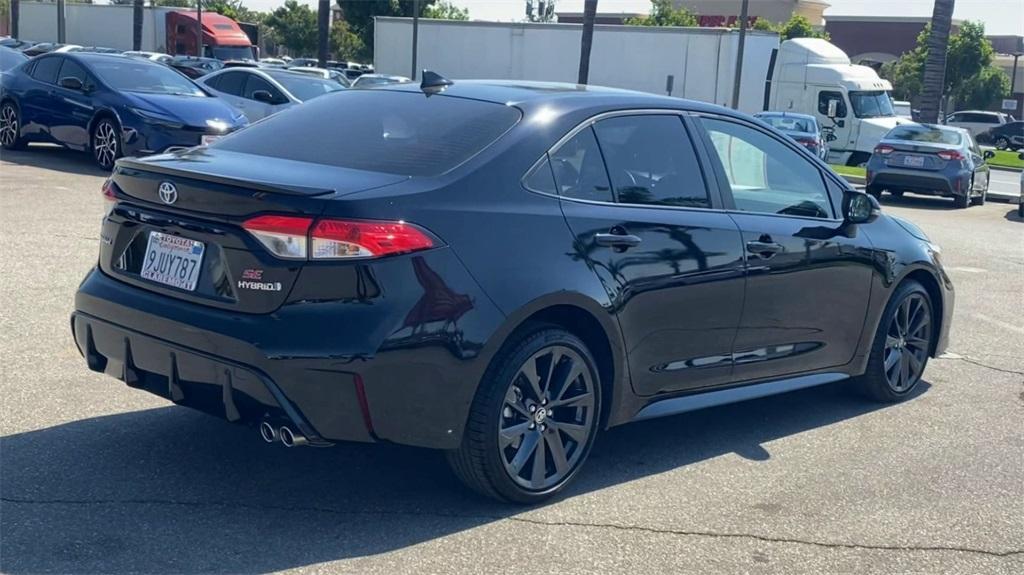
x: 97, y: 477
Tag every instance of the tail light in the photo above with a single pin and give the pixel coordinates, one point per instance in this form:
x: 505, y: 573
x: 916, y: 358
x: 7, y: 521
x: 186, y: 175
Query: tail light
x: 331, y: 239
x: 339, y: 239
x: 284, y: 236
x: 950, y: 155
x: 884, y: 149
x: 109, y: 196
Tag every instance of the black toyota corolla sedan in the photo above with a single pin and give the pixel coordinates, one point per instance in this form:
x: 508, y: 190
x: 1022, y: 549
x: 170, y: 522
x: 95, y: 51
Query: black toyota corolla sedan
x: 499, y: 271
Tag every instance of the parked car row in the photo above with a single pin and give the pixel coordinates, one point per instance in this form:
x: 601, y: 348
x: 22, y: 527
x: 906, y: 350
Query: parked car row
x: 141, y: 103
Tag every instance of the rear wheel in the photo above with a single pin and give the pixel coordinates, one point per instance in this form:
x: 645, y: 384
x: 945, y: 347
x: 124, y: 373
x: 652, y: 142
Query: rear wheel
x: 1002, y: 143
x: 875, y: 191
x: 961, y: 202
x: 979, y: 200
x: 10, y: 127
x: 899, y: 352
x: 106, y: 143
x: 534, y: 419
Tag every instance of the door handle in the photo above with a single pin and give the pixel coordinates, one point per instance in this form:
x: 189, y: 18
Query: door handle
x: 621, y: 240
x: 764, y: 249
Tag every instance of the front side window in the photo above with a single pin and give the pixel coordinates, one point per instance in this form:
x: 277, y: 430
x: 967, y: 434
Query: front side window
x: 71, y: 69
x: 579, y: 169
x: 765, y: 175
x: 46, y: 70
x: 824, y: 97
x: 651, y: 161
x: 256, y: 84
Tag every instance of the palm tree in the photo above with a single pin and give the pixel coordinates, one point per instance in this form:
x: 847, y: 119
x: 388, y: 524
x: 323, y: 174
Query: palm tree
x: 934, y: 81
x: 323, y: 24
x: 137, y: 25
x: 589, y: 12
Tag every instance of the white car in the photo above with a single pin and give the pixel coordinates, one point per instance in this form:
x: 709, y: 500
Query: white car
x: 158, y: 57
x: 369, y: 80
x: 977, y: 121
x: 261, y: 92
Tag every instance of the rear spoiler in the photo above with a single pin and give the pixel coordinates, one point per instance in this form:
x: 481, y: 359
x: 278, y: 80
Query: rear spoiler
x: 132, y: 166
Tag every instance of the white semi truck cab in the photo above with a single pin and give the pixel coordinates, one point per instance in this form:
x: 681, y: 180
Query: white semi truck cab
x: 810, y: 72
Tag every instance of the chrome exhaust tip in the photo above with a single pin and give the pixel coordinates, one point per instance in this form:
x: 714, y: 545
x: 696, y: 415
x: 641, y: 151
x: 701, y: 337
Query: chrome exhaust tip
x: 289, y: 439
x: 267, y: 432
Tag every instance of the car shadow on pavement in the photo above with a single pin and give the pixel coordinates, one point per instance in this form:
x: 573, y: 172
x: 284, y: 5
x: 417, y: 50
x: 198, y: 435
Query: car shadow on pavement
x: 908, y: 200
x: 54, y: 158
x: 170, y: 490
x: 1014, y: 215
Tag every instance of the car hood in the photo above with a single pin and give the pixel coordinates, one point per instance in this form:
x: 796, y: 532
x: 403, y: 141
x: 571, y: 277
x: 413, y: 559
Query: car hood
x: 189, y: 110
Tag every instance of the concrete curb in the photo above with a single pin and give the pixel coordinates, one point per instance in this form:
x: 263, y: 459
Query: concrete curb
x: 1005, y: 169
x: 855, y: 180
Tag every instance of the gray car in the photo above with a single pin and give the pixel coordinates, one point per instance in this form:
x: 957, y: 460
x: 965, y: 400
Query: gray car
x: 932, y: 160
x: 261, y: 92
x: 801, y: 127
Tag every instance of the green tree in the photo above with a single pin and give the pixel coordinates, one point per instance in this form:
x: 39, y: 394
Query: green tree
x: 445, y: 10
x: 346, y: 44
x: 969, y: 76
x: 664, y: 13
x: 360, y: 13
x: 295, y: 28
x: 799, y: 27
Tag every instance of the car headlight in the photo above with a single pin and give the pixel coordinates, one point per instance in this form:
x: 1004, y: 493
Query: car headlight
x: 157, y: 119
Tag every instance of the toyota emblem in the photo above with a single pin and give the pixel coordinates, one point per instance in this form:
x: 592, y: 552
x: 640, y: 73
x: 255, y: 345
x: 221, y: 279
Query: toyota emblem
x: 168, y: 193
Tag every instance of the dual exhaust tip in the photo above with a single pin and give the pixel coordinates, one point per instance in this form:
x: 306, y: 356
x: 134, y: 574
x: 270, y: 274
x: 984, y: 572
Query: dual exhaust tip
x: 288, y: 438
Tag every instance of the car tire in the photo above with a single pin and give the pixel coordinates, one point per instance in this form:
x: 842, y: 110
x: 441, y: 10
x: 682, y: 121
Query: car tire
x: 902, y: 345
x: 1002, y: 143
x: 979, y: 200
x: 508, y: 427
x: 961, y: 202
x: 105, y: 143
x: 10, y: 127
x: 1020, y: 209
x: 875, y: 191
x: 896, y: 193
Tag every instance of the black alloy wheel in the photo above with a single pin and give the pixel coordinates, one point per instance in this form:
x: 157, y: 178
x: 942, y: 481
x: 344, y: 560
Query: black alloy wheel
x: 902, y: 345
x: 533, y: 421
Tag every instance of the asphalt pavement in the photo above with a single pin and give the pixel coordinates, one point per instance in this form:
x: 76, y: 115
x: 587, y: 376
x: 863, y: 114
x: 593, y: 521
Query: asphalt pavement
x: 1004, y: 185
x: 99, y: 478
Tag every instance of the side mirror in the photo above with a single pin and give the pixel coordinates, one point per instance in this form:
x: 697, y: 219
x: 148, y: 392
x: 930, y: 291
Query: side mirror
x: 833, y: 109
x: 71, y: 83
x: 263, y: 96
x: 988, y: 154
x: 830, y: 137
x: 1020, y: 156
x: 860, y: 208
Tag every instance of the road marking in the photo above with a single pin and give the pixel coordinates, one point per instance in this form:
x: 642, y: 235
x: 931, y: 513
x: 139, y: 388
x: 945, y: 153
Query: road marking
x: 1000, y: 323
x: 966, y: 270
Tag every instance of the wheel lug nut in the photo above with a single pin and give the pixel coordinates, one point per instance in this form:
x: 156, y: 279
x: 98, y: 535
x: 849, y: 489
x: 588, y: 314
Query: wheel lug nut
x: 533, y: 408
x: 543, y: 427
x: 532, y: 425
x: 544, y: 402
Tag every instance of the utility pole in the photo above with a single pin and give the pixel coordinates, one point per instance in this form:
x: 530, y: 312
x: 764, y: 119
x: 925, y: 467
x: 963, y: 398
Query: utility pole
x: 61, y: 28
x: 199, y: 28
x: 415, y: 34
x: 587, y: 40
x: 15, y: 10
x: 739, y: 56
x: 323, y: 20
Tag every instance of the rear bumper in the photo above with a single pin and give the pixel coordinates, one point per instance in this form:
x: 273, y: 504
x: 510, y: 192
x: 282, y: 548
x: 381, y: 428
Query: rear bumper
x: 922, y: 182
x: 336, y: 370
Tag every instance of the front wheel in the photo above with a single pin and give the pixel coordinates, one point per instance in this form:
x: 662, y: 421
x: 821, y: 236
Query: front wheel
x: 902, y: 344
x: 1002, y: 143
x: 10, y: 127
x: 106, y: 143
x: 533, y: 420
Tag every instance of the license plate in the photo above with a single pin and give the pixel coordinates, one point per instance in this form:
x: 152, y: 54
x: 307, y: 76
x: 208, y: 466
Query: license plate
x: 913, y: 161
x: 207, y: 140
x: 173, y: 260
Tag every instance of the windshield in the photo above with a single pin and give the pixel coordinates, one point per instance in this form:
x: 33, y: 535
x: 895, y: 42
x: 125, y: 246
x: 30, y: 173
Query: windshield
x: 304, y: 86
x: 231, y: 52
x: 871, y: 104
x: 925, y: 134
x: 132, y: 75
x: 789, y: 124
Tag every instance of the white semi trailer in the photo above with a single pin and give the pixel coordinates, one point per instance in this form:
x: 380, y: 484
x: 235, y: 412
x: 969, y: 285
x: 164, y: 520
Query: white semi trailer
x: 697, y: 63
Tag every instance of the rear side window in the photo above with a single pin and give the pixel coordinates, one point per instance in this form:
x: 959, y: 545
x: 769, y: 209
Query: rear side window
x: 46, y: 70
x: 540, y: 179
x: 651, y: 161
x: 231, y: 83
x: 579, y: 169
x: 71, y: 69
x: 405, y: 133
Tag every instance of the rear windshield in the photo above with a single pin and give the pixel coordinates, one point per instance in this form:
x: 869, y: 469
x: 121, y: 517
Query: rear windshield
x: 925, y: 134
x: 789, y: 123
x: 404, y: 133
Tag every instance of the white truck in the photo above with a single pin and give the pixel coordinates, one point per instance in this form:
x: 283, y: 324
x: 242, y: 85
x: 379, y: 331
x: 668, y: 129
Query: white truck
x: 694, y: 63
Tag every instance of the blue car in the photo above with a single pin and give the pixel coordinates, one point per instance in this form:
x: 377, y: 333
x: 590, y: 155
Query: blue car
x: 110, y: 105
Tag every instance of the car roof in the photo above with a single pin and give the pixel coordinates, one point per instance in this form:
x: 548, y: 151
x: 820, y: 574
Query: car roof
x: 785, y: 115
x: 531, y: 94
